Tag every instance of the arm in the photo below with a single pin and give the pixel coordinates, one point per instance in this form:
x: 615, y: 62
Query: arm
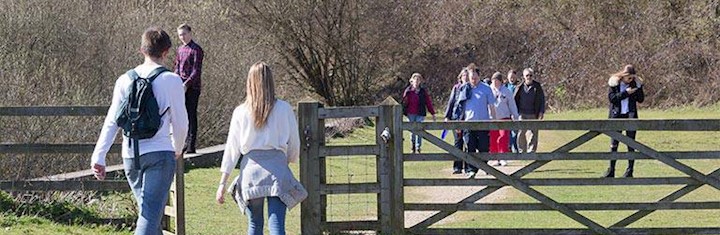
x: 293, y: 151
x: 541, y: 93
x: 639, y: 95
x: 491, y: 104
x: 616, y: 96
x: 513, y: 107
x: 428, y: 103
x: 178, y: 115
x: 194, y: 76
x: 109, y: 129
x: 450, y: 104
x: 230, y: 156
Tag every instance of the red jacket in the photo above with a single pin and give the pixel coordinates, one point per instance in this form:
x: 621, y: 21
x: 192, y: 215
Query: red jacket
x: 416, y: 103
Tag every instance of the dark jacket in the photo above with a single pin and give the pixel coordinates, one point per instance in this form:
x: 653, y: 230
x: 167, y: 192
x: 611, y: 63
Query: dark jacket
x: 452, y: 101
x: 424, y: 102
x: 539, y: 96
x: 615, y: 95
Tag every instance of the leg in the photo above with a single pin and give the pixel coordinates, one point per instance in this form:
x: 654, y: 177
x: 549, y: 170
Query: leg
x: 611, y: 169
x: 418, y: 141
x: 158, y: 169
x: 504, y: 143
x: 522, y: 141
x: 458, y: 164
x: 413, y: 136
x: 192, y: 97
x: 472, y: 146
x: 494, y: 142
x: 631, y: 163
x: 513, y: 141
x: 254, y: 213
x: 276, y: 216
x: 532, y: 148
x: 135, y: 182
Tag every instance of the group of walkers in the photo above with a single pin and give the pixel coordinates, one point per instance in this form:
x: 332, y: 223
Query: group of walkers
x: 157, y: 111
x: 509, y: 98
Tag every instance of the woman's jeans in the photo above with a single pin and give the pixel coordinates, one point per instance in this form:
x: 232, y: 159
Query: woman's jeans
x: 415, y: 140
x: 276, y: 217
x: 150, y: 185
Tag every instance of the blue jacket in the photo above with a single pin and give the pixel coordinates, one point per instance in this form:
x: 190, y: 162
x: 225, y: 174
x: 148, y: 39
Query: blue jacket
x: 462, y: 95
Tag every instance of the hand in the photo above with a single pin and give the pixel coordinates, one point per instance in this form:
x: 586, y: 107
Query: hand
x: 541, y: 116
x: 446, y: 119
x: 220, y: 194
x: 433, y: 117
x: 630, y: 90
x: 178, y: 156
x: 99, y: 171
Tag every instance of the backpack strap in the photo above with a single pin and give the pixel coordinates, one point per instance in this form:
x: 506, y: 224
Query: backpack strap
x: 132, y: 74
x: 156, y: 72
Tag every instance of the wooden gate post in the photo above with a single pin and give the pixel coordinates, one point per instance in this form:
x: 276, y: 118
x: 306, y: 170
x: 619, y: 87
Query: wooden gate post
x: 390, y: 169
x: 310, y: 134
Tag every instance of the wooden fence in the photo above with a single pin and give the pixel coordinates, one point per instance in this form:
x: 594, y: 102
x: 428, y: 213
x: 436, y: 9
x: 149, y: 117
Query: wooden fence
x: 83, y: 180
x: 391, y: 180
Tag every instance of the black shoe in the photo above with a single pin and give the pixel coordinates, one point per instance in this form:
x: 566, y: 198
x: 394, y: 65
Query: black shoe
x: 610, y: 173
x: 190, y: 151
x: 628, y: 173
x: 471, y: 174
x: 457, y: 172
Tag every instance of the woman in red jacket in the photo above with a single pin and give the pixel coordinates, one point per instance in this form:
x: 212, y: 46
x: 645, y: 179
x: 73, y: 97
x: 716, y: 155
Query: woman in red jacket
x: 416, y: 103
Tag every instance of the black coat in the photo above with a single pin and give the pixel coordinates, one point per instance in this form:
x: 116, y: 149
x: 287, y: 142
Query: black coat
x: 615, y: 95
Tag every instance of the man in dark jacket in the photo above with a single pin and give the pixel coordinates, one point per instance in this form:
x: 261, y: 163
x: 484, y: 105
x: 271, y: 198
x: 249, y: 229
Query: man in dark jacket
x: 530, y: 99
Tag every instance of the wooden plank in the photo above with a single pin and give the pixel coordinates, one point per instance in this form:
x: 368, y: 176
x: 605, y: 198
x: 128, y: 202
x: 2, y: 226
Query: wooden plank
x: 178, y: 188
x: 714, y: 182
x: 170, y: 211
x: 598, y: 125
x: 310, y: 208
x: 518, y: 174
x: 562, y: 156
x: 84, y: 185
x: 167, y: 232
x: 353, y: 150
x: 568, y: 231
x: 383, y: 169
x: 350, y: 188
x: 516, y: 183
x: 53, y: 148
x: 573, y: 206
x: 54, y: 111
x: 556, y: 181
x: 365, y: 225
x: 395, y: 147
x: 348, y: 112
x: 669, y: 198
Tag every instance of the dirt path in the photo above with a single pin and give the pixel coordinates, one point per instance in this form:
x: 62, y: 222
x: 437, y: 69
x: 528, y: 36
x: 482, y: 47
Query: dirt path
x: 451, y: 194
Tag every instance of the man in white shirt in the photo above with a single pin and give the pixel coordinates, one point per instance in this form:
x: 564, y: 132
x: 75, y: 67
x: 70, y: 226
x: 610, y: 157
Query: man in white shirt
x: 151, y: 180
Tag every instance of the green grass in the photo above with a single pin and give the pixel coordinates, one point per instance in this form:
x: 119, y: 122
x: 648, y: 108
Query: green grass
x: 205, y: 216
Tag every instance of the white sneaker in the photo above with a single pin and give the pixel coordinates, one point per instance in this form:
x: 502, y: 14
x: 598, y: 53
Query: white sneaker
x: 503, y: 163
x: 497, y: 163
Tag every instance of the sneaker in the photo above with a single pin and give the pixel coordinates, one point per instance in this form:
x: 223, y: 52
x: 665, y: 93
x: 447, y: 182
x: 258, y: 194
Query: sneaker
x: 628, y: 173
x: 503, y: 163
x: 471, y: 174
x: 497, y: 163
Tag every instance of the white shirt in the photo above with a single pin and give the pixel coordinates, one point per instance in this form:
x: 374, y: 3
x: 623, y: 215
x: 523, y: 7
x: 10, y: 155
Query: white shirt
x: 280, y: 133
x: 169, y: 93
x: 504, y: 104
x: 624, y: 109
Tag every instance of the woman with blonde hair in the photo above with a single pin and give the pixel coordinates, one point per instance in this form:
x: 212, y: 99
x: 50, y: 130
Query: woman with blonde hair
x: 624, y: 93
x: 416, y: 103
x: 264, y: 133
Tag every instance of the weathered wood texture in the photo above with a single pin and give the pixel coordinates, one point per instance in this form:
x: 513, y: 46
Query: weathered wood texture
x: 55, y: 111
x: 68, y: 185
x: 596, y: 125
x: 52, y: 148
x: 348, y: 112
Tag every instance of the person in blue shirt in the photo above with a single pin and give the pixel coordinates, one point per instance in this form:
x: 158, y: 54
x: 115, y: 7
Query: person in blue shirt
x: 475, y: 103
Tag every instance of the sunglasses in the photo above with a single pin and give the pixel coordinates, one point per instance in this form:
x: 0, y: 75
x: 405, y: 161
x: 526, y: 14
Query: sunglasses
x: 528, y: 75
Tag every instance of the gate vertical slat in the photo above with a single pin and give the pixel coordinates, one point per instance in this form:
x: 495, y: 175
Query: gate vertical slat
x: 391, y: 214
x: 310, y: 167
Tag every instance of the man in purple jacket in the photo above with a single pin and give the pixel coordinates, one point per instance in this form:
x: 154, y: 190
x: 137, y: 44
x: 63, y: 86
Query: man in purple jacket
x: 188, y: 64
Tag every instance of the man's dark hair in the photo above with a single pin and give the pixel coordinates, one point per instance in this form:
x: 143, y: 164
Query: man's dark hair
x: 185, y: 27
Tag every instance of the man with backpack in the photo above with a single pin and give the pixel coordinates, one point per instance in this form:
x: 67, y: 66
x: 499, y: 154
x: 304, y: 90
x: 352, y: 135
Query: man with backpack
x: 149, y: 105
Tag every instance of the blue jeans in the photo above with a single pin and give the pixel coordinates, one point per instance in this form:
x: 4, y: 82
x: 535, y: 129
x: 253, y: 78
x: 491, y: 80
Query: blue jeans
x: 150, y: 185
x: 415, y: 140
x: 276, y: 216
x: 513, y: 141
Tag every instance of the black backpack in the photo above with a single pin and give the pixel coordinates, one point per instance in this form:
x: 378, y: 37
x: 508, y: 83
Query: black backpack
x: 139, y: 115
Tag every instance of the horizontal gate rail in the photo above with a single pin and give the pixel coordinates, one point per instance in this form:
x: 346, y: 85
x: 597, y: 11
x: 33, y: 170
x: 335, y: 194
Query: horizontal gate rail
x: 573, y: 206
x: 573, y: 125
x: 558, y: 181
x: 348, y: 112
x: 562, y: 156
x: 54, y: 111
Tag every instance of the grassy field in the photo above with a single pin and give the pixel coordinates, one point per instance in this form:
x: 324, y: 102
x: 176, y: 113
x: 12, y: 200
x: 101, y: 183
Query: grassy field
x: 204, y: 216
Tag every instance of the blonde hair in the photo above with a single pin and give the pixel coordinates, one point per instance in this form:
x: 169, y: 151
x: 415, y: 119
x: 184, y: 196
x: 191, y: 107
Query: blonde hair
x: 260, y: 93
x: 415, y: 76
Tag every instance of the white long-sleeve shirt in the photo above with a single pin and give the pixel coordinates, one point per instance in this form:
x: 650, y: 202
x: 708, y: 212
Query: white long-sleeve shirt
x: 170, y: 95
x: 280, y: 133
x: 505, y: 106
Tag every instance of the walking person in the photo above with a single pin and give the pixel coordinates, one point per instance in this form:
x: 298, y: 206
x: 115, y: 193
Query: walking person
x: 512, y: 83
x: 476, y: 102
x: 149, y: 162
x: 188, y: 64
x: 530, y: 100
x: 624, y: 93
x: 449, y: 111
x: 416, y: 103
x: 505, y: 109
x: 264, y: 133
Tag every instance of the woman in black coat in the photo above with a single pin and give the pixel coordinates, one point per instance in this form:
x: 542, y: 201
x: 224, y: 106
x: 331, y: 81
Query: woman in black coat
x: 624, y: 94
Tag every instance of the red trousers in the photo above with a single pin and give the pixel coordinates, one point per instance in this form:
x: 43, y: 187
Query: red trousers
x: 500, y: 140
